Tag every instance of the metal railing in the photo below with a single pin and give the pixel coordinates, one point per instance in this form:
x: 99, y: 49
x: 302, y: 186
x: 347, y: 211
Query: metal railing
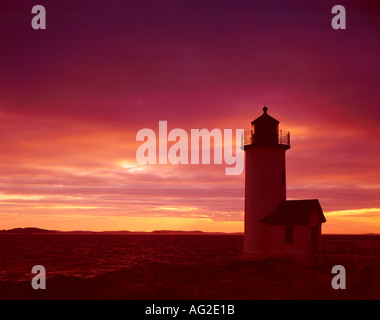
x: 284, y: 137
x: 248, y: 138
x: 350, y: 248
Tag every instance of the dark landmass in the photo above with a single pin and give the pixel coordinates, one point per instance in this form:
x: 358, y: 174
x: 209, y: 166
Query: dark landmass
x: 28, y: 230
x: 176, y: 231
x: 236, y: 279
x: 31, y: 230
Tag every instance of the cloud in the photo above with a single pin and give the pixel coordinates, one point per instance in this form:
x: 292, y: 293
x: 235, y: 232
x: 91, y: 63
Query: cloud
x: 71, y: 104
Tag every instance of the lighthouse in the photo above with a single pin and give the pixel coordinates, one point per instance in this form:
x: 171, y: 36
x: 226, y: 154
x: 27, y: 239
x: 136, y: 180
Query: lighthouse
x: 275, y: 226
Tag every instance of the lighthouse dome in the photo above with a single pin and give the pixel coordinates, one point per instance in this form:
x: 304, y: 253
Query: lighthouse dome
x: 265, y: 129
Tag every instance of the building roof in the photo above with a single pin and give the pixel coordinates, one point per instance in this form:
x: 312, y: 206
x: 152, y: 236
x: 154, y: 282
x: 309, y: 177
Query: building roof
x: 294, y: 212
x: 265, y: 118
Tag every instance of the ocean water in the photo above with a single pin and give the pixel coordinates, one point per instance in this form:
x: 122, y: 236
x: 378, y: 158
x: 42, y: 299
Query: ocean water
x: 89, y: 255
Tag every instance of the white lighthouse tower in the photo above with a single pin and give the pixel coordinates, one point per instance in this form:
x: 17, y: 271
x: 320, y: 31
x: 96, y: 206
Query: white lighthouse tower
x: 265, y: 185
x: 274, y: 226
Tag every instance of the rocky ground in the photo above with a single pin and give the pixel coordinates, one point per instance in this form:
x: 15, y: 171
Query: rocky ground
x: 232, y: 280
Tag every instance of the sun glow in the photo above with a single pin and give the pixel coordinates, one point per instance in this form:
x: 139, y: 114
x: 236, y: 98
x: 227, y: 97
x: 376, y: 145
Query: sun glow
x: 353, y: 212
x: 180, y: 209
x: 131, y: 167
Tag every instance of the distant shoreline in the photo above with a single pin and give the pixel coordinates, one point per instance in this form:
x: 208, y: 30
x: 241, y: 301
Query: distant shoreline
x: 32, y: 230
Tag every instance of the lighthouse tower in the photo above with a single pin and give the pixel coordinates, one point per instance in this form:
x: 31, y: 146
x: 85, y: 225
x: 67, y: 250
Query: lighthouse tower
x: 265, y: 184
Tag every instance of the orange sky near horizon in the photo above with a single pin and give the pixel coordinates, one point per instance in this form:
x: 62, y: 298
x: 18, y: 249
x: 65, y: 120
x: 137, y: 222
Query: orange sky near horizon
x: 73, y: 98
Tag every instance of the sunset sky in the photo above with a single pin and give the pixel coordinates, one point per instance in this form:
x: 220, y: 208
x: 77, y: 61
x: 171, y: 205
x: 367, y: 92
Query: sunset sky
x: 73, y: 97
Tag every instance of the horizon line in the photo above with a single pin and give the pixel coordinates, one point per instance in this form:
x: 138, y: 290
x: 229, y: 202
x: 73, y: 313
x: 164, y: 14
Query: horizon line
x: 37, y: 230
